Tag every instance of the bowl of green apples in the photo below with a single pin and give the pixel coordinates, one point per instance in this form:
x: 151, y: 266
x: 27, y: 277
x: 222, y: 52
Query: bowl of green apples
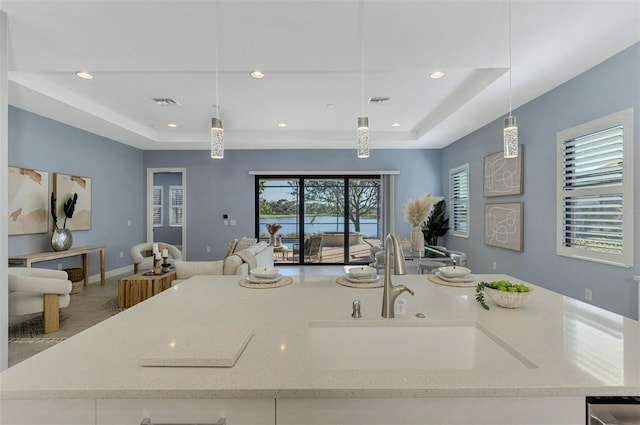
x: 507, y: 294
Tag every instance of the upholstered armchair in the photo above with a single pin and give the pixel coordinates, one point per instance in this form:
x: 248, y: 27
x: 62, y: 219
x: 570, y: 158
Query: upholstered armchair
x: 34, y: 291
x: 142, y: 255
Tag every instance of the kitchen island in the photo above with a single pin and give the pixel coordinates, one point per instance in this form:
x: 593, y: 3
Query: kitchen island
x: 565, y: 350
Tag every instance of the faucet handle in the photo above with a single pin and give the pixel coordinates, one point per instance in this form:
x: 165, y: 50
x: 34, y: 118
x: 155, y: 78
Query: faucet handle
x: 356, y: 310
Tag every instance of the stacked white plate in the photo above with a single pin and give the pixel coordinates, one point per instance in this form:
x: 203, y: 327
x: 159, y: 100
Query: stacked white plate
x: 360, y: 274
x: 264, y: 275
x: 455, y: 274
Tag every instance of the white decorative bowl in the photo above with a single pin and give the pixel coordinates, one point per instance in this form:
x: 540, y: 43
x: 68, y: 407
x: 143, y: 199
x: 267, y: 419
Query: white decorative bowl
x: 507, y: 299
x: 264, y: 272
x: 454, y: 271
x: 362, y: 271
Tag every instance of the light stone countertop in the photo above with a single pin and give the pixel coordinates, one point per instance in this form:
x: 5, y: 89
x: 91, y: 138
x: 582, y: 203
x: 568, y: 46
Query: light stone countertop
x: 580, y: 350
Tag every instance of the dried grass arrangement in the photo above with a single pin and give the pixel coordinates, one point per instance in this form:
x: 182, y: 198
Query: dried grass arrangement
x: 273, y: 228
x: 415, y: 212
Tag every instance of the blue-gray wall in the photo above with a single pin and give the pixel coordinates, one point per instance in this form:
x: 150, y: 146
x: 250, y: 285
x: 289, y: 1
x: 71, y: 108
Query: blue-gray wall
x: 610, y: 87
x: 117, y: 179
x: 222, y: 187
x: 217, y: 187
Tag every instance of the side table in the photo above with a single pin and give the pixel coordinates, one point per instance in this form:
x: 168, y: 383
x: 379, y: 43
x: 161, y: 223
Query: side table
x: 138, y: 287
x: 282, y: 250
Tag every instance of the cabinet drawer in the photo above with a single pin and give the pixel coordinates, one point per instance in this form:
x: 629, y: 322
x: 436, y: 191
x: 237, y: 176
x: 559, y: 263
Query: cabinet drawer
x: 436, y: 410
x: 47, y: 412
x: 236, y: 411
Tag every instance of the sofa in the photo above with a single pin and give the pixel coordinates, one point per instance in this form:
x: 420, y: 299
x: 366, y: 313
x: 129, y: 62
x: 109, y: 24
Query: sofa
x: 237, y: 262
x: 33, y: 291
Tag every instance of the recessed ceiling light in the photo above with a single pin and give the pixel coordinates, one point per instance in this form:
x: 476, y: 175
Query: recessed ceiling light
x: 395, y: 124
x: 436, y: 74
x: 282, y: 125
x: 84, y: 75
x: 330, y: 105
x: 172, y: 125
x: 257, y: 74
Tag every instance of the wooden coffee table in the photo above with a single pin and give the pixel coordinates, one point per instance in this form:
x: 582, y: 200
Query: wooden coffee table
x: 140, y: 286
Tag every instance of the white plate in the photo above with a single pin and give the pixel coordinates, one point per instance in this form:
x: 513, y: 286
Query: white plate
x: 361, y: 271
x: 454, y: 271
x: 264, y: 273
x: 360, y: 279
x: 462, y: 279
x: 254, y: 279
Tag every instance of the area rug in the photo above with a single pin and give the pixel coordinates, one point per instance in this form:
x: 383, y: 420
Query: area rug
x: 31, y: 331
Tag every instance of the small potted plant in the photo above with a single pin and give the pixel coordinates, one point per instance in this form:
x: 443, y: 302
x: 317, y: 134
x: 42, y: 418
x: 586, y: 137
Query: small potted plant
x: 61, y: 239
x: 437, y: 224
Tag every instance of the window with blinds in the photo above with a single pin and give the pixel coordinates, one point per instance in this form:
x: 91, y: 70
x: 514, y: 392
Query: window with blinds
x: 176, y: 206
x: 158, y: 192
x: 595, y: 188
x: 459, y: 201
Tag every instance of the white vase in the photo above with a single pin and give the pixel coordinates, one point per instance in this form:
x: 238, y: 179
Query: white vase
x: 417, y: 240
x: 275, y: 240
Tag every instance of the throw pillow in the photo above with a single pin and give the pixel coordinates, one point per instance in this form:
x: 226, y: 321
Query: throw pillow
x: 231, y: 248
x: 245, y: 243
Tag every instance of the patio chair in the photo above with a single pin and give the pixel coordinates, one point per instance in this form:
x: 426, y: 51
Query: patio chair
x: 314, y: 252
x: 312, y: 249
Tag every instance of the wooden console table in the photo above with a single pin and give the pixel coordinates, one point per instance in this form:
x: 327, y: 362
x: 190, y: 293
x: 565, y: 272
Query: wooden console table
x: 140, y: 286
x: 27, y: 260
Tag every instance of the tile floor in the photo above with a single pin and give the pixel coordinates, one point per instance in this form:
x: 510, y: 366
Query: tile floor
x: 88, y: 308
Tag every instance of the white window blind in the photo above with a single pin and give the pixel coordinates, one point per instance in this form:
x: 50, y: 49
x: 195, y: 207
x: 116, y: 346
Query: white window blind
x: 594, y: 191
x: 158, y: 192
x: 459, y: 200
x: 176, y: 199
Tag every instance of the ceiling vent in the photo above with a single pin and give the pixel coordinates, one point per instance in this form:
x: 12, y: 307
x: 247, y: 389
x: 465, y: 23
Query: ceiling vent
x: 379, y: 100
x: 165, y: 101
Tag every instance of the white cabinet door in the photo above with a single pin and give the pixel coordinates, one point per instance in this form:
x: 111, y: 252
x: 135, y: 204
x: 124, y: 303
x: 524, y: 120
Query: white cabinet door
x: 47, y: 412
x: 236, y: 411
x: 441, y: 410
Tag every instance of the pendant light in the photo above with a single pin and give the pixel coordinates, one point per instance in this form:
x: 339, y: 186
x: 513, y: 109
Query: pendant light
x: 510, y: 125
x: 363, y: 122
x: 217, y: 131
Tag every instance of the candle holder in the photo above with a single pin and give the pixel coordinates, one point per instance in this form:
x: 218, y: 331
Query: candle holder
x: 156, y: 265
x: 166, y: 267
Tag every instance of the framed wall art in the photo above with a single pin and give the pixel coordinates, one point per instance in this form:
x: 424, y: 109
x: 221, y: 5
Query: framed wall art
x: 28, y: 201
x: 64, y: 186
x: 503, y: 176
x: 503, y: 225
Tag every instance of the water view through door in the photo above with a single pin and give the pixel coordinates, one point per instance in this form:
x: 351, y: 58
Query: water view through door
x: 304, y: 218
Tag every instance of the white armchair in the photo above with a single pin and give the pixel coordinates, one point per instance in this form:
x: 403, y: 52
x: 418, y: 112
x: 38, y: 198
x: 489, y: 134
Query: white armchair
x: 38, y: 291
x: 142, y: 255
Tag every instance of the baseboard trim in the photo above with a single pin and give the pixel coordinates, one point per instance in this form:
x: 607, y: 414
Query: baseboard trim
x: 111, y: 273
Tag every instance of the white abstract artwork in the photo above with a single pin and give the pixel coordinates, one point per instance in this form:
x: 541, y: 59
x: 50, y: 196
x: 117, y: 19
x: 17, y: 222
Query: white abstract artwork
x: 28, y: 201
x: 503, y: 176
x: 503, y: 225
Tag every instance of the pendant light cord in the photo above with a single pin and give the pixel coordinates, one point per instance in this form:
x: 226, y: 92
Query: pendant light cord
x: 217, y: 37
x: 361, y: 33
x: 510, y: 70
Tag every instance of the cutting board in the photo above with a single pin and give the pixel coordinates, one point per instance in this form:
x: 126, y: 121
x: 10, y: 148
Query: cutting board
x: 218, y: 346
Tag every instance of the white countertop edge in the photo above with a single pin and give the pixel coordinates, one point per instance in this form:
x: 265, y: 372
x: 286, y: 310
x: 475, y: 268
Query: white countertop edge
x: 320, y: 393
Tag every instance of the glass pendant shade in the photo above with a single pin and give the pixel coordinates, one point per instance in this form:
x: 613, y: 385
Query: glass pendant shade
x: 363, y: 137
x: 217, y: 141
x: 510, y: 137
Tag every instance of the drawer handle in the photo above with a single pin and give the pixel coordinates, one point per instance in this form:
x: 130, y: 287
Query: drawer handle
x: 147, y: 421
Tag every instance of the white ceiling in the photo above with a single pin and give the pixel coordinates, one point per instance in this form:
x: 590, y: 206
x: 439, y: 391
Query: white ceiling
x: 311, y: 55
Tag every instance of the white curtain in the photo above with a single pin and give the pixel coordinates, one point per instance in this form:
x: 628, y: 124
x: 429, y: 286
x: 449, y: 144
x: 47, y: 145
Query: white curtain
x: 388, y: 210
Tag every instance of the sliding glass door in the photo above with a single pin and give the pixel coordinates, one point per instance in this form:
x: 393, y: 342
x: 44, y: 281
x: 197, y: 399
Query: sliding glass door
x: 319, y: 219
